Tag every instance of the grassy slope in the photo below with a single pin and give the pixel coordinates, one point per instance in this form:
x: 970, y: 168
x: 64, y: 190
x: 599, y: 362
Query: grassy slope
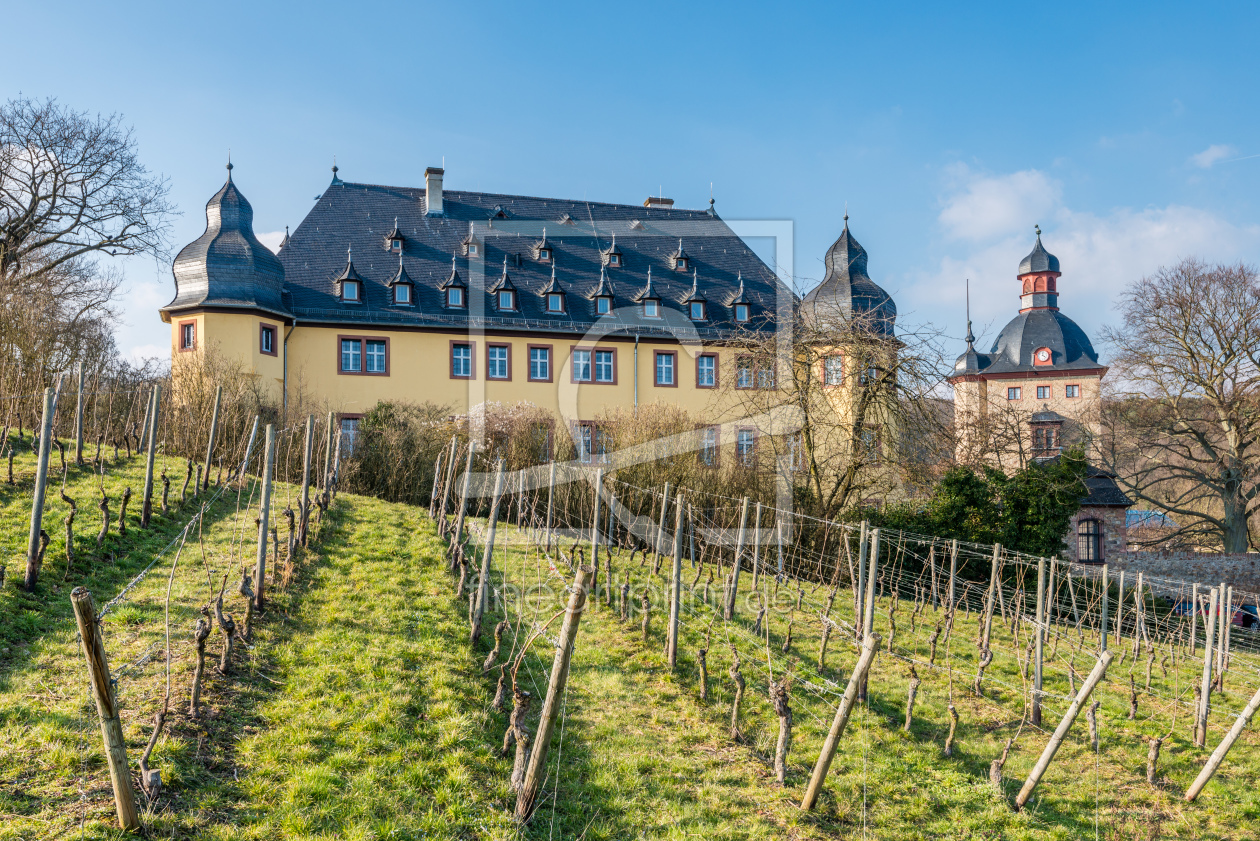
x: 360, y: 712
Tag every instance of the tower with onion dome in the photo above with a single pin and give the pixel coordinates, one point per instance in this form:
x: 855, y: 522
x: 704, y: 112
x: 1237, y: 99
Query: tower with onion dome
x: 1037, y: 390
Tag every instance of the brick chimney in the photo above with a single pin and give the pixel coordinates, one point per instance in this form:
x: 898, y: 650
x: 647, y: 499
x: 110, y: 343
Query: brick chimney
x: 433, y: 191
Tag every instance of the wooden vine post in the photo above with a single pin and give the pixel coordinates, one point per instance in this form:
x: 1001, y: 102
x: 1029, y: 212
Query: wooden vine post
x: 599, y: 492
x: 146, y: 507
x: 1218, y: 755
x: 78, y: 415
x: 463, y: 501
x: 41, y: 488
x: 551, y: 492
x: 1106, y: 604
x: 264, y: 516
x: 328, y: 452
x: 1205, y: 688
x: 1060, y: 732
x: 731, y: 598
x: 675, y: 591
x: 953, y: 574
x: 1194, y: 619
x: 214, y: 430
x: 860, y: 590
x: 1040, y: 642
x: 986, y: 627
x: 869, y: 646
x: 444, y: 485
x: 482, y: 599
x: 660, y: 529
x: 536, y: 771
x: 106, y: 707
x: 308, y: 452
x: 868, y: 609
x: 756, y: 558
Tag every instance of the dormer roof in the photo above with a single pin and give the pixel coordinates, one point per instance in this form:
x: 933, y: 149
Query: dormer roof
x: 504, y: 283
x: 401, y: 275
x: 605, y: 287
x: 554, y: 285
x: 695, y: 295
x: 741, y: 295
x: 349, y: 272
x: 605, y: 255
x: 648, y: 292
x: 453, y: 279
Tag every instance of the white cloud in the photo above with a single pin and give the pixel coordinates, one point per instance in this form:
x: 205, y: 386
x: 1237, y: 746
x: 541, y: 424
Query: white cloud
x: 1213, y: 154
x: 986, y: 206
x: 139, y: 353
x: 1100, y: 254
x: 272, y: 240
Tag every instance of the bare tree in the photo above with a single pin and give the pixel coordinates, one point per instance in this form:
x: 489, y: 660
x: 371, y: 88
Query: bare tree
x: 71, y: 185
x: 1182, y: 430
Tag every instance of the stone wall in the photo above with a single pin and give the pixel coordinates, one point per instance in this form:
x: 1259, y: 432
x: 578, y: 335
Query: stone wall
x: 1168, y: 569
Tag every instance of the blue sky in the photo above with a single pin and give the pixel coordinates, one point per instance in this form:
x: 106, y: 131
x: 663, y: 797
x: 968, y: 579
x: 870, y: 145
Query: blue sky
x: 1123, y: 129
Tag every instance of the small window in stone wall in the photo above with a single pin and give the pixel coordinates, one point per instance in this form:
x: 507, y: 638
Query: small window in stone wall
x: 1089, y: 541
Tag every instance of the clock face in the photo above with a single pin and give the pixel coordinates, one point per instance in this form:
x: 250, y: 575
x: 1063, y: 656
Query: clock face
x: 1043, y: 355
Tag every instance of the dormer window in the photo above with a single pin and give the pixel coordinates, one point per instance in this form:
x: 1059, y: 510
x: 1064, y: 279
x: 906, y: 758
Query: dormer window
x: 542, y: 251
x: 394, y: 239
x: 679, y: 259
x: 395, y: 245
x: 351, y: 291
x: 680, y: 265
x: 507, y: 299
x: 555, y: 302
x: 697, y: 310
x: 544, y: 255
x: 614, y: 260
x: 612, y: 256
x: 348, y: 284
x: 603, y: 305
x: 402, y: 294
x: 455, y: 297
x: 651, y: 308
x: 741, y: 313
x: 472, y: 249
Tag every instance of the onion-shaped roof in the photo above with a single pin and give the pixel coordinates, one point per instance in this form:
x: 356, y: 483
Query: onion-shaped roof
x: 227, y: 266
x: 849, y: 291
x: 1038, y: 260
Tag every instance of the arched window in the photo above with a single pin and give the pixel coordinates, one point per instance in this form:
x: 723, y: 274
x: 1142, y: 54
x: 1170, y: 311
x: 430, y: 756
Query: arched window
x: 1089, y: 542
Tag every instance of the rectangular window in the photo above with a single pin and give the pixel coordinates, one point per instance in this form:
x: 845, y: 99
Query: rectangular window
x: 461, y: 360
x: 1014, y: 393
x: 375, y: 356
x: 833, y: 370
x: 710, y: 438
x: 351, y: 356
x: 1072, y: 391
x: 744, y: 372
x: 455, y: 297
x: 870, y: 376
x: 741, y: 313
x: 605, y: 371
x: 555, y: 302
x: 350, y: 291
x: 697, y: 311
x: 581, y: 366
x: 869, y: 444
x: 765, y: 375
x: 540, y: 363
x: 796, y: 453
x: 498, y: 362
x: 1088, y: 542
x: 746, y: 447
x: 267, y: 340
x: 402, y: 294
x: 706, y: 370
x: 187, y: 335
x: 652, y: 308
x: 507, y: 300
x: 603, y: 305
x: 591, y: 442
x: 349, y: 436
x: 1043, y: 392
x: 665, y: 368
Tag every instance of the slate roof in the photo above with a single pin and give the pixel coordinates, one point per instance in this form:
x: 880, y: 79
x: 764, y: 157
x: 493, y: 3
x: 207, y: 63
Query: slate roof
x: 1103, y: 490
x: 507, y: 226
x: 227, y: 266
x: 849, y: 290
x: 1038, y: 260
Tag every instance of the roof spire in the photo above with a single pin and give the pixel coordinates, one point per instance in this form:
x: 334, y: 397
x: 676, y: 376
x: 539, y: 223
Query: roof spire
x: 229, y: 164
x: 1037, y: 228
x: 846, y: 216
x: 970, y: 338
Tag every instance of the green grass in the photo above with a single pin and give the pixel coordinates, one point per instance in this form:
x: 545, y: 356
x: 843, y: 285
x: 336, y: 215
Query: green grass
x: 360, y: 711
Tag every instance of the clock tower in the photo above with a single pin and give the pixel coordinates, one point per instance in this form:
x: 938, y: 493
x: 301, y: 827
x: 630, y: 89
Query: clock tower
x: 1038, y: 389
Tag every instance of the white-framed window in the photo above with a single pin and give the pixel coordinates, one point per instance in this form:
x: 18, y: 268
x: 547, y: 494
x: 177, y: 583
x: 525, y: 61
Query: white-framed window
x: 665, y: 367
x: 744, y: 372
x: 544, y: 255
x: 581, y: 366
x: 507, y: 299
x: 540, y: 363
x: 603, y: 305
x: 497, y: 365
x: 351, y: 356
x: 349, y: 435
x: 614, y: 260
x: 681, y: 264
x: 1014, y: 392
x: 651, y: 308
x: 709, y: 440
x: 833, y: 370
x: 796, y: 453
x: 267, y: 339
x: 188, y: 336
x: 605, y: 370
x: 402, y: 293
x: 555, y: 302
x: 741, y: 313
x: 455, y: 297
x: 1072, y: 391
x: 592, y: 444
x: 765, y: 375
x: 746, y: 447
x: 461, y: 360
x: 1043, y: 392
x: 869, y: 441
x: 374, y: 353
x: 697, y: 310
x: 706, y: 371
x: 472, y: 248
x: 350, y: 291
x: 395, y: 245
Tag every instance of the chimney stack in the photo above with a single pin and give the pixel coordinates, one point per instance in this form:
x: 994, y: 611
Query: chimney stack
x: 433, y: 191
x: 656, y: 201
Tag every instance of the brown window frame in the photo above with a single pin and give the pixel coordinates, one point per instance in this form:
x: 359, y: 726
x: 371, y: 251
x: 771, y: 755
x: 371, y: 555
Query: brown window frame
x: 472, y: 360
x: 752, y: 457
x: 717, y: 367
x: 1018, y: 390
x: 352, y: 301
x: 564, y: 305
x: 1076, y: 396
x: 508, y: 378
x: 179, y: 326
x: 656, y: 355
x: 704, y: 311
x: 263, y: 327
x: 593, y: 349
x: 1096, y: 537
x: 551, y: 363
x: 463, y: 297
x: 747, y: 312
x: 362, y: 340
x: 822, y: 370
